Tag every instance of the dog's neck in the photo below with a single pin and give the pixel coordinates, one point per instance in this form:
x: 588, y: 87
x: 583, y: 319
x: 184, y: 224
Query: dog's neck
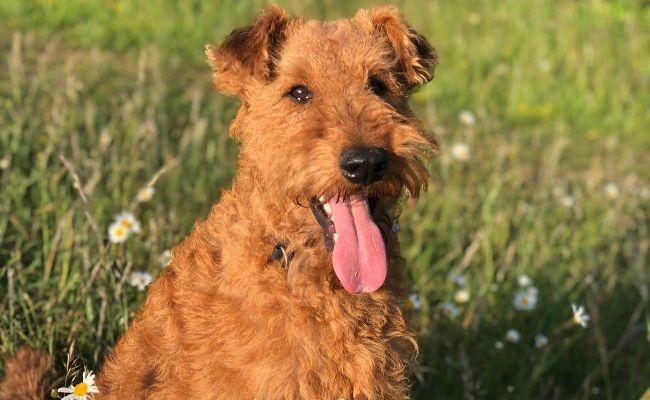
x: 282, y: 226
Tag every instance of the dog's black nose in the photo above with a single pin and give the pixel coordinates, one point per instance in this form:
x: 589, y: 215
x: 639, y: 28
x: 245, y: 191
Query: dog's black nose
x: 363, y: 165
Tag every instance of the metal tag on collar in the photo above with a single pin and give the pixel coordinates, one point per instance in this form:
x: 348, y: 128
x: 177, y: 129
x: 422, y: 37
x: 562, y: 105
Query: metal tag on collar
x: 278, y: 252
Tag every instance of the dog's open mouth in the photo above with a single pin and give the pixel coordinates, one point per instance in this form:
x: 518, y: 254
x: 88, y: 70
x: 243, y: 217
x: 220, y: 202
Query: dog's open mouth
x: 355, y: 241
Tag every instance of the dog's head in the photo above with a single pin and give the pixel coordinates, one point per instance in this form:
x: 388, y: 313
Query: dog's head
x: 324, y: 122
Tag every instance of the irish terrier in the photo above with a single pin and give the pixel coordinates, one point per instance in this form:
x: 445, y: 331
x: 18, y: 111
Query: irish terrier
x: 288, y: 290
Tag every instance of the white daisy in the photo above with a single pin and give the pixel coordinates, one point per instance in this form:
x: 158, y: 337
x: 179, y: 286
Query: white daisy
x: 524, y: 280
x: 117, y: 233
x: 540, y: 340
x: 580, y: 317
x: 83, y: 390
x: 525, y: 300
x: 461, y: 296
x: 450, y: 310
x: 165, y: 258
x: 611, y: 190
x: 413, y: 302
x: 460, y: 152
x: 145, y: 194
x: 128, y: 221
x: 512, y: 335
x: 467, y: 118
x: 140, y: 279
x: 5, y: 162
x: 568, y: 201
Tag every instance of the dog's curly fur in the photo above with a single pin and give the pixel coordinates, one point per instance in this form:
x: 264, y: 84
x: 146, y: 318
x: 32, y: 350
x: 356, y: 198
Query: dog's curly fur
x: 226, y: 319
x: 26, y: 375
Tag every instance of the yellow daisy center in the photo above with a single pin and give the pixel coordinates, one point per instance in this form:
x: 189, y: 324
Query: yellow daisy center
x: 126, y: 223
x: 80, y: 390
x: 120, y: 231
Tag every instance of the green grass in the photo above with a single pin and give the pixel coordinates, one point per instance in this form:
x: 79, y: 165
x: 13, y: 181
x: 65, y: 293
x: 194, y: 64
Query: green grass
x: 560, y: 91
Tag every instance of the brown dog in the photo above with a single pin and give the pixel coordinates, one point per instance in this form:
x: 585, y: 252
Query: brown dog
x: 288, y: 289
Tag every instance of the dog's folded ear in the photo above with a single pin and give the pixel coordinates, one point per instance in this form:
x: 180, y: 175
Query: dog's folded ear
x: 248, y: 52
x: 416, y: 58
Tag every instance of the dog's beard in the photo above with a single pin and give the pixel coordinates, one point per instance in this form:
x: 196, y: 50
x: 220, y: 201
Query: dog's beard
x: 355, y: 241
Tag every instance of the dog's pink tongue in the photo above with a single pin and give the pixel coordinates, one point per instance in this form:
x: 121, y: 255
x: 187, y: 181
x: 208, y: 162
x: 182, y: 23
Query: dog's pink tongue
x: 359, y: 255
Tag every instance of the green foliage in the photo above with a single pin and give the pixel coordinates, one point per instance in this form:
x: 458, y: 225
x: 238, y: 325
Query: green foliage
x: 553, y: 181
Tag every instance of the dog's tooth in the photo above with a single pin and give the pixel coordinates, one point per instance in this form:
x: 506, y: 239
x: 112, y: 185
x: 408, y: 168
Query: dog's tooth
x: 335, y: 236
x: 328, y: 209
x: 322, y: 199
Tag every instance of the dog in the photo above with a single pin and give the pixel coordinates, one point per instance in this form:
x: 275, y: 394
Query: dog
x: 290, y: 288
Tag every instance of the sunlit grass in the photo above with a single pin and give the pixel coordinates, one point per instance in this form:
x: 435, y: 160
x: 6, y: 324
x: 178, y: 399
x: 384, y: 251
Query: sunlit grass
x: 541, y: 110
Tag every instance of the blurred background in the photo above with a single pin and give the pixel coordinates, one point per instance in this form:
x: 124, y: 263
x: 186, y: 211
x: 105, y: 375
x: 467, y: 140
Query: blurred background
x: 528, y: 256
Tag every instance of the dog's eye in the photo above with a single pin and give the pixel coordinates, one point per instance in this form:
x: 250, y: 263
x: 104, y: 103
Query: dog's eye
x: 377, y: 86
x: 300, y: 93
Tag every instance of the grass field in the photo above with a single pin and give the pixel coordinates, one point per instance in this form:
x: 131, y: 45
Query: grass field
x: 542, y: 111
